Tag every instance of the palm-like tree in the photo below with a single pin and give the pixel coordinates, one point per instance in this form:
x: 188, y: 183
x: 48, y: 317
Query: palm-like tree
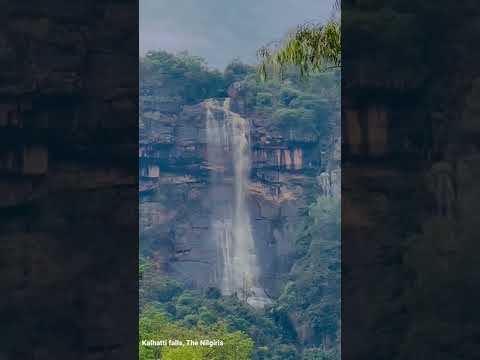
x: 312, y: 48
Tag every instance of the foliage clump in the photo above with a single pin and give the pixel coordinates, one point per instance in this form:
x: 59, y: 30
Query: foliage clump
x: 311, y: 48
x: 184, y: 76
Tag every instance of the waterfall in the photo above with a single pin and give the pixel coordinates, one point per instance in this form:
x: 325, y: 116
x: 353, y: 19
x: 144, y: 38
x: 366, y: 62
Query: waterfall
x: 228, y: 156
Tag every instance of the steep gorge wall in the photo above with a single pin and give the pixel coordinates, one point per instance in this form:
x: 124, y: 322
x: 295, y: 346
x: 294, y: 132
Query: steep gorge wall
x: 288, y: 167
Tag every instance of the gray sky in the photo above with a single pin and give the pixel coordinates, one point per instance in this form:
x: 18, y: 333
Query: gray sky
x: 221, y: 30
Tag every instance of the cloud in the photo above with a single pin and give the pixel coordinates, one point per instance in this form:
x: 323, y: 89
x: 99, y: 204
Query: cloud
x: 220, y: 30
x: 171, y: 40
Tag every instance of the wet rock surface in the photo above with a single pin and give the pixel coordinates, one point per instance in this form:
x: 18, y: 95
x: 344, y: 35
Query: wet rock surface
x: 285, y: 169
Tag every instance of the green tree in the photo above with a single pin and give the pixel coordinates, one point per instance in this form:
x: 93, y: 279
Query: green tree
x: 311, y: 48
x: 154, y: 325
x: 182, y: 75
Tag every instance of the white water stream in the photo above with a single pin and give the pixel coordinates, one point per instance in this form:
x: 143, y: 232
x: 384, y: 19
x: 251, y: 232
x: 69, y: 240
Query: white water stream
x: 227, y: 145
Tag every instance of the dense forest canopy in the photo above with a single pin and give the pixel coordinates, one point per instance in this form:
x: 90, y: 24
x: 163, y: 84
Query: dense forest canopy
x: 290, y: 99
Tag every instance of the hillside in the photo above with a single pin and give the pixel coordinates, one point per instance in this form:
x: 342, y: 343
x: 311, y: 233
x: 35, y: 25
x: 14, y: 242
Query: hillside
x: 241, y: 227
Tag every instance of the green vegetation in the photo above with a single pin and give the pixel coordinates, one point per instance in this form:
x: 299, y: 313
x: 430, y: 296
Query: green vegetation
x: 184, y: 76
x: 312, y: 292
x: 303, y: 322
x: 171, y: 81
x: 154, y: 325
x: 194, y: 314
x: 311, y: 48
x: 311, y: 297
x: 291, y: 102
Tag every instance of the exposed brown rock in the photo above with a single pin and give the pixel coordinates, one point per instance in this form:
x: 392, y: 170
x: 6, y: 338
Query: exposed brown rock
x: 284, y: 164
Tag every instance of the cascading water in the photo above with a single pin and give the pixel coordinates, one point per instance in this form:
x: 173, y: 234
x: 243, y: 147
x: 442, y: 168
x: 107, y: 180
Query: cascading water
x: 227, y: 145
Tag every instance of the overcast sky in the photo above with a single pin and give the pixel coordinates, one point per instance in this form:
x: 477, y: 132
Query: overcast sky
x: 221, y: 30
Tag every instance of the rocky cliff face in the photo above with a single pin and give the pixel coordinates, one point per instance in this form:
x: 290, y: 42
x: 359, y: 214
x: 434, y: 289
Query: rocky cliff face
x: 176, y: 191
